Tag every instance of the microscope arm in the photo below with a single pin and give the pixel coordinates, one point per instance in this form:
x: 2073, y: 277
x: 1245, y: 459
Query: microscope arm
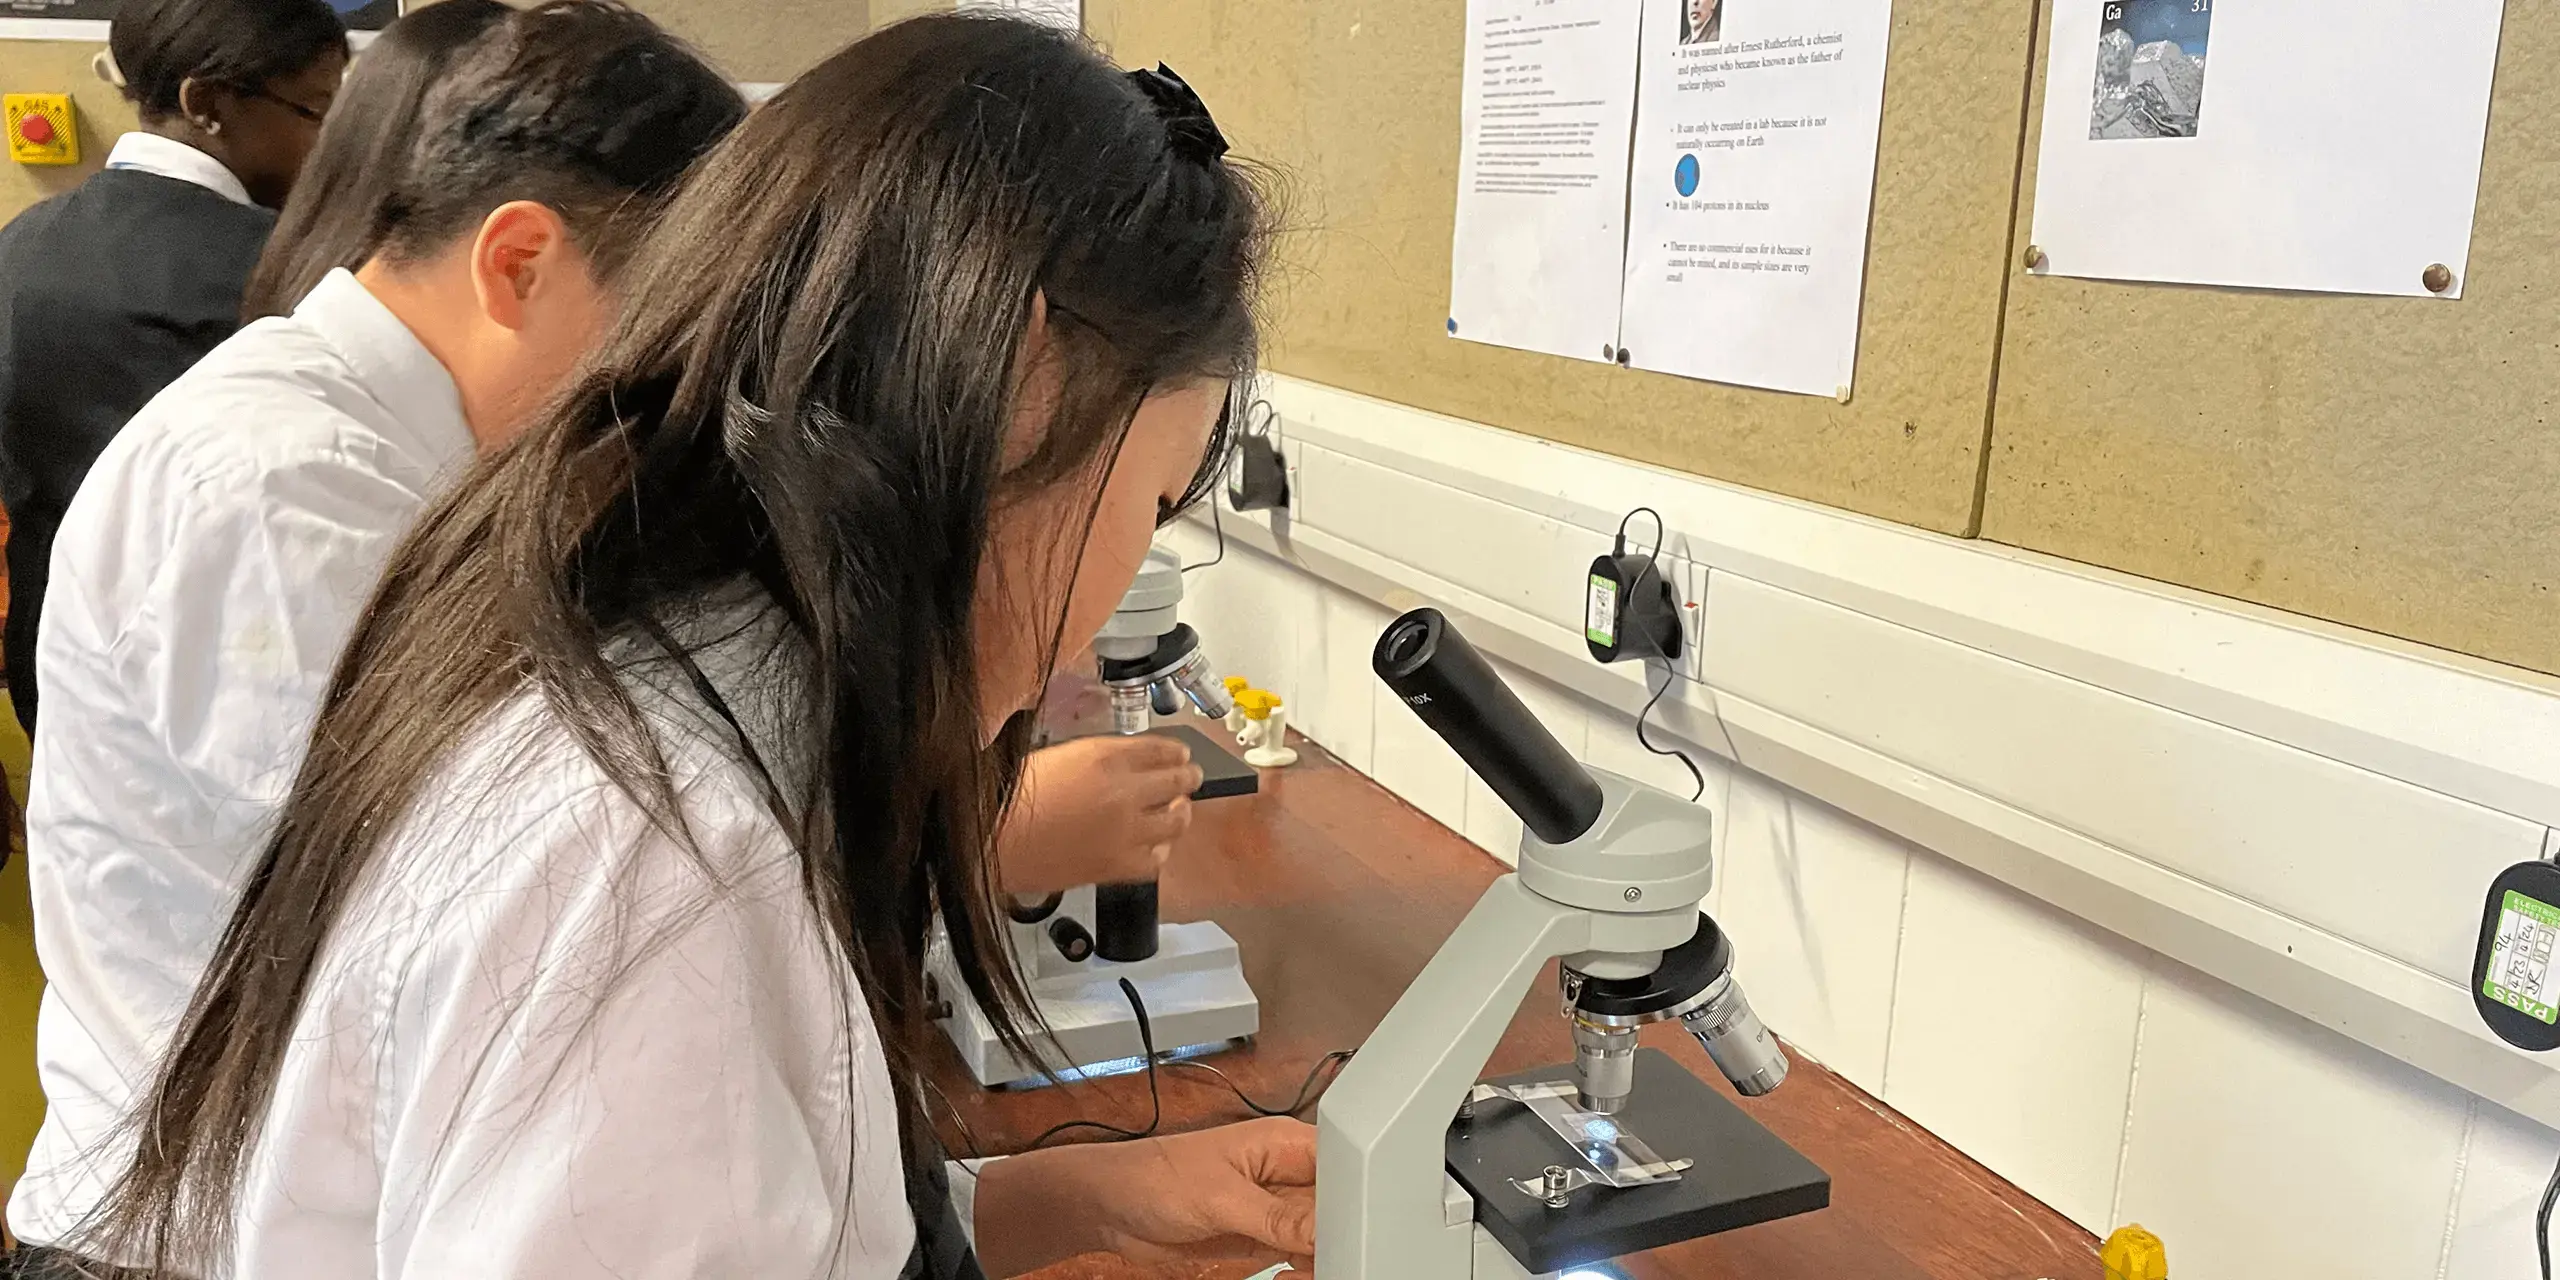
x: 1383, y: 1124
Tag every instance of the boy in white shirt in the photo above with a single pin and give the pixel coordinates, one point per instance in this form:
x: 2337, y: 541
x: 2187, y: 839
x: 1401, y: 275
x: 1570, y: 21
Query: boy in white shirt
x: 207, y: 573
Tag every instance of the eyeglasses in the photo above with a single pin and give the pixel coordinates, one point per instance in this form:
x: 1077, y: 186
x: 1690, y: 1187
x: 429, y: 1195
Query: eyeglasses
x: 313, y: 115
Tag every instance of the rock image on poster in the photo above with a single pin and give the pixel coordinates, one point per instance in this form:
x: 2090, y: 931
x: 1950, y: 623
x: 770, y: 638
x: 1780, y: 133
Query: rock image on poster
x: 2150, y: 80
x: 359, y: 15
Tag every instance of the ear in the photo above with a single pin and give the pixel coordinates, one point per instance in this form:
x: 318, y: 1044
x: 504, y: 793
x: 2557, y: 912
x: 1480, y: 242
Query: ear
x: 203, y: 104
x: 1035, y: 383
x: 523, y: 249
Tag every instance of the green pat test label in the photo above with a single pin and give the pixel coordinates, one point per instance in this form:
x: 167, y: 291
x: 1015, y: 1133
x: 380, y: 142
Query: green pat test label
x: 1600, y: 620
x: 2521, y: 975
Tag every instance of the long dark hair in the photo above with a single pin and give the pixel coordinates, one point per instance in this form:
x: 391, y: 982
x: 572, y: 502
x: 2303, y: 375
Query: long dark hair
x: 812, y: 386
x: 334, y: 217
x: 583, y: 105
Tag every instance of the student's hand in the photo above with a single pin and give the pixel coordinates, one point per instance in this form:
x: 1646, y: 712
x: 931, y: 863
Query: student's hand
x: 1103, y: 810
x: 1245, y: 1191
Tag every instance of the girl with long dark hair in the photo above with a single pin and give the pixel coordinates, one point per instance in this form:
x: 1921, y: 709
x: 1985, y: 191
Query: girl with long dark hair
x: 590, y: 939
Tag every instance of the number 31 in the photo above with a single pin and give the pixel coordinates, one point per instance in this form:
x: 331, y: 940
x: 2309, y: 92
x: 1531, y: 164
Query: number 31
x: 2199, y: 6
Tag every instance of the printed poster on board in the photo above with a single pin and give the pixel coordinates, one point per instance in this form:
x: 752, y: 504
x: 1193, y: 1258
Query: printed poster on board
x: 2266, y: 144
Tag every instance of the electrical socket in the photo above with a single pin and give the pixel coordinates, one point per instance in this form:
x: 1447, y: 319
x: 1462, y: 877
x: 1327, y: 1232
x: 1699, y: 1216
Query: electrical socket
x: 1691, y: 578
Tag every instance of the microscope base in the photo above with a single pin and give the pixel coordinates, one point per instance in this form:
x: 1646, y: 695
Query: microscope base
x: 1744, y: 1175
x: 1193, y: 986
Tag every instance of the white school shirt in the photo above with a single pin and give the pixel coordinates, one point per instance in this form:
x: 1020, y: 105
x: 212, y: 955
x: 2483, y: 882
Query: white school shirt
x: 547, y: 1042
x: 204, y: 579
x: 170, y: 158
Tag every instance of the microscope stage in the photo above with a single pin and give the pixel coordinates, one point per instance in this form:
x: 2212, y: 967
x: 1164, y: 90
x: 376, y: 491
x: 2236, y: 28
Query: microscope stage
x: 1221, y: 773
x: 1744, y: 1175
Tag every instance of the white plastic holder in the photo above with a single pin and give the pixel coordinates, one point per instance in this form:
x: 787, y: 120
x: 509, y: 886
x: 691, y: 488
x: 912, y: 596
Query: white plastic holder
x: 1266, y: 741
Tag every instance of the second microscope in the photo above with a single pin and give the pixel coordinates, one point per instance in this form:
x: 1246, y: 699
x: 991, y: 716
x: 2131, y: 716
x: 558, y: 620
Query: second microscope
x: 1073, y: 949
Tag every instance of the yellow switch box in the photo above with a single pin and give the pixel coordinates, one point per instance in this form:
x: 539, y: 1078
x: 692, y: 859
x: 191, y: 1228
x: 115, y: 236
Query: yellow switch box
x: 42, y: 128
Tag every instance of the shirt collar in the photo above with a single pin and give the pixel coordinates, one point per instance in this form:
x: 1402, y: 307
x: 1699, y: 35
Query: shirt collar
x: 389, y: 362
x: 170, y: 158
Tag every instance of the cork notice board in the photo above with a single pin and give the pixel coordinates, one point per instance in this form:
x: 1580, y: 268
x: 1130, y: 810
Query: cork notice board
x: 1358, y: 101
x: 2388, y: 463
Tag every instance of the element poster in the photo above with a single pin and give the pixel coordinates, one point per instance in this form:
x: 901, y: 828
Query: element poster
x: 2270, y: 144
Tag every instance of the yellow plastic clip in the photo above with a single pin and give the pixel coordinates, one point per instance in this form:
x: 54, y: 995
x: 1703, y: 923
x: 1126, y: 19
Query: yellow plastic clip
x: 1257, y: 704
x: 2134, y: 1254
x: 1236, y: 685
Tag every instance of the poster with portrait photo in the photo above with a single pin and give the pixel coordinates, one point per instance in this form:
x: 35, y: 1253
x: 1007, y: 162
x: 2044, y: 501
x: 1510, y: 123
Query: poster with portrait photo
x: 88, y: 19
x: 1749, y: 190
x: 1702, y: 22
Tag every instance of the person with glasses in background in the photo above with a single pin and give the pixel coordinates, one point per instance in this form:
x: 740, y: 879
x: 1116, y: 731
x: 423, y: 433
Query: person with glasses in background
x: 112, y: 289
x: 347, y: 200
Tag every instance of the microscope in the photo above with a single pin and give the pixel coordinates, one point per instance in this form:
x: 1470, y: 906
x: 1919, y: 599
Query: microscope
x: 1424, y: 1173
x: 1073, y: 949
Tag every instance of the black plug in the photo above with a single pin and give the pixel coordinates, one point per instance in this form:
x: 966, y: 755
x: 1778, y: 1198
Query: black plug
x: 1631, y: 613
x: 1257, y: 479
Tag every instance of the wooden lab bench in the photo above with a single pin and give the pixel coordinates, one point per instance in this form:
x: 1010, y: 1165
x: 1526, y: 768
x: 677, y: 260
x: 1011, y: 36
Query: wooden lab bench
x: 1338, y: 893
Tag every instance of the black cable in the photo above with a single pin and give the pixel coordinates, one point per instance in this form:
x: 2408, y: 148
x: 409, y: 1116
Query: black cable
x: 1659, y: 531
x: 2542, y: 1221
x: 1155, y: 1093
x: 1221, y: 527
x: 1668, y: 675
x: 1654, y: 555
x: 1308, y: 1092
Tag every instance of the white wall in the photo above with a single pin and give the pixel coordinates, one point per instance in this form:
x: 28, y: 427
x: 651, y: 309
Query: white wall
x: 2106, y: 1078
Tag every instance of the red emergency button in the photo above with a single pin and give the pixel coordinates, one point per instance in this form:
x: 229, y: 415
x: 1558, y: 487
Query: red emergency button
x: 36, y: 129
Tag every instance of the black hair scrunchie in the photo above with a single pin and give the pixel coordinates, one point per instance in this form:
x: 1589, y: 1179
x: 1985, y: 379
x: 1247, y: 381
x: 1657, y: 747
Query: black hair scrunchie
x: 1186, y: 117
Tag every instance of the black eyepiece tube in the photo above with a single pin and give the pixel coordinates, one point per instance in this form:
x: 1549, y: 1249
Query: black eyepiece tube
x: 1447, y: 683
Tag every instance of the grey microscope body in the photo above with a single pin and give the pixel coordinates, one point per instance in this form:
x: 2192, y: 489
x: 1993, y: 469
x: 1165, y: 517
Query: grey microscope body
x: 1610, y: 876
x: 1151, y: 660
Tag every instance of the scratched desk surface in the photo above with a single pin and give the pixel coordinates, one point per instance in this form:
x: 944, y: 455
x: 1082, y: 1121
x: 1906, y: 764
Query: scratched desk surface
x: 1338, y: 894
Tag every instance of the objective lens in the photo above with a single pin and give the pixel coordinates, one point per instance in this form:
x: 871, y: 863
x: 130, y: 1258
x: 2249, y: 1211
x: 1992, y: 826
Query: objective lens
x: 1199, y: 682
x: 1604, y: 1067
x: 1732, y: 1035
x: 1129, y: 711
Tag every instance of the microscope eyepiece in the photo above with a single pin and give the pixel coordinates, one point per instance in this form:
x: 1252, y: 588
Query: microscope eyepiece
x: 1447, y: 683
x: 1405, y: 640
